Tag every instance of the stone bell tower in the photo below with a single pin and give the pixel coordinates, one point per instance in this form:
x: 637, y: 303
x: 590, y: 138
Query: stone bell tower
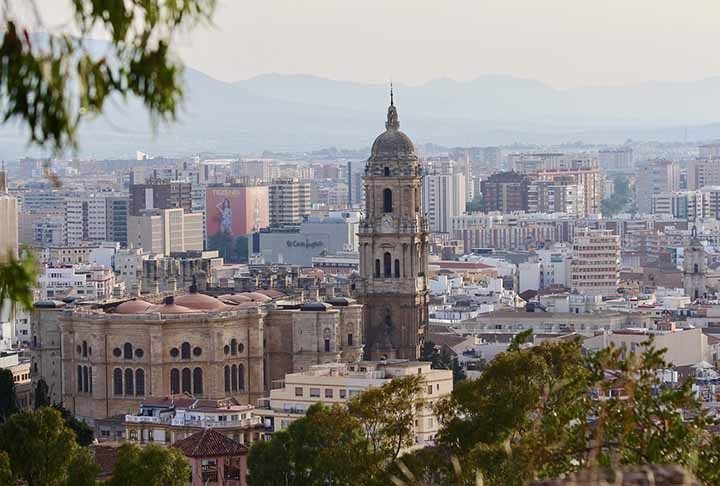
x: 393, y: 240
x: 694, y: 267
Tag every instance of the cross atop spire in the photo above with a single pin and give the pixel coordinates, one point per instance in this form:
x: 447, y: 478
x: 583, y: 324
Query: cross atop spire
x: 392, y: 116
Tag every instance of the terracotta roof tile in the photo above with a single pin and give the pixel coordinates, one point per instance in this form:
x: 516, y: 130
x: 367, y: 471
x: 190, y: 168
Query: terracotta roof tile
x: 210, y: 443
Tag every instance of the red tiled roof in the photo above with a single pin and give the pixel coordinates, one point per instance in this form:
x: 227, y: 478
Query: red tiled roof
x: 210, y: 443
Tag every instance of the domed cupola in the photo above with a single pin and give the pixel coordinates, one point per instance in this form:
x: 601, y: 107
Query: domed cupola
x: 392, y: 145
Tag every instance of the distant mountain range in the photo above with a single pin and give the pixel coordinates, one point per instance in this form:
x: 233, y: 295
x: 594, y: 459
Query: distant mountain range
x: 301, y: 113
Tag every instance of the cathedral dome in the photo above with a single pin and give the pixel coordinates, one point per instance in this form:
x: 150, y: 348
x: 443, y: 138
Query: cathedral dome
x: 392, y: 144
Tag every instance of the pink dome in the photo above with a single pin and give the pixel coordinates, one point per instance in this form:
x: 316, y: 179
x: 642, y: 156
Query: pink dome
x: 257, y: 297
x: 235, y: 298
x: 135, y: 306
x: 272, y: 293
x: 200, y: 302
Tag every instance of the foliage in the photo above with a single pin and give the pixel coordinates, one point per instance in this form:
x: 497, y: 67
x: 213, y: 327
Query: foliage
x: 42, y: 451
x: 476, y: 205
x: 325, y: 447
x: 42, y: 394
x: 153, y: 465
x: 8, y: 397
x: 621, y: 199
x: 17, y: 279
x: 442, y: 360
x: 5, y: 471
x: 51, y: 84
x: 84, y: 435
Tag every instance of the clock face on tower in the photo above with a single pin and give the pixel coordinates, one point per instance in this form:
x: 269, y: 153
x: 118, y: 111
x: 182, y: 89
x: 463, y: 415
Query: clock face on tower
x: 387, y: 222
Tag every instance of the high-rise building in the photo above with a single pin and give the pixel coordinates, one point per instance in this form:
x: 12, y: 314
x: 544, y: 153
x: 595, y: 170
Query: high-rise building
x: 703, y: 172
x: 589, y: 177
x: 595, y: 262
x: 562, y: 195
x: 616, y: 159
x: 160, y: 194
x: 505, y: 192
x: 166, y: 231
x: 8, y: 220
x: 117, y: 209
x: 656, y: 177
x: 85, y: 219
x: 259, y: 170
x: 236, y: 209
x: 289, y: 201
x: 709, y: 150
x: 394, y: 247
x: 444, y: 195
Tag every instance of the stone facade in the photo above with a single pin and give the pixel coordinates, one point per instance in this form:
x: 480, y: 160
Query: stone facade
x: 393, y: 248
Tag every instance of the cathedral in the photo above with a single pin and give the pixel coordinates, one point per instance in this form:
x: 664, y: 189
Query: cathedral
x: 393, y: 240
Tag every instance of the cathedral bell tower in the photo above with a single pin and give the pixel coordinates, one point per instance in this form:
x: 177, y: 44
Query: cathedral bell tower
x: 393, y: 240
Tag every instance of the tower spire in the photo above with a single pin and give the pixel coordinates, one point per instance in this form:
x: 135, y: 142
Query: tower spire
x: 391, y: 95
x: 392, y: 116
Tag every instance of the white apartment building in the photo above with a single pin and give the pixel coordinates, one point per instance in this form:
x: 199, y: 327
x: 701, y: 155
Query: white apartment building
x: 85, y: 219
x: 91, y: 282
x: 336, y: 383
x: 289, y: 200
x: 703, y: 172
x: 616, y: 159
x: 165, y: 231
x: 557, y: 196
x: 444, y: 194
x: 547, y: 267
x: 595, y: 262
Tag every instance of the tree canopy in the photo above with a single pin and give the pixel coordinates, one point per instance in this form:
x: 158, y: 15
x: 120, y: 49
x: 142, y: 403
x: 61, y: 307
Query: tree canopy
x: 152, y: 465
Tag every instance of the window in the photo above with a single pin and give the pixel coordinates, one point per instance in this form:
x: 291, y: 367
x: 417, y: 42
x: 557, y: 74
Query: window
x: 84, y: 349
x: 234, y: 377
x: 185, y: 351
x: 343, y: 393
x: 314, y: 392
x: 386, y: 171
x: 233, y: 347
x: 79, y: 378
x: 174, y: 352
x: 387, y: 200
x: 174, y: 381
x: 387, y: 259
x: 127, y: 351
x: 139, y: 353
x: 350, y: 339
x: 397, y: 268
x: 129, y: 387
x: 197, y: 351
x: 377, y: 267
x: 298, y: 391
x: 327, y: 345
x: 197, y: 381
x: 90, y: 378
x: 117, y: 381
x: 429, y: 389
x: 697, y: 269
x: 241, y: 377
x: 86, y: 380
x: 186, y: 385
x: 227, y: 378
x: 328, y: 393
x: 140, y: 382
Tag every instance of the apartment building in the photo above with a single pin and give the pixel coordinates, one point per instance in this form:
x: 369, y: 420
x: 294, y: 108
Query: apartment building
x: 505, y: 192
x: 443, y: 196
x: 596, y: 262
x: 91, y: 282
x: 289, y: 201
x: 166, y: 231
x: 85, y: 219
x: 657, y: 176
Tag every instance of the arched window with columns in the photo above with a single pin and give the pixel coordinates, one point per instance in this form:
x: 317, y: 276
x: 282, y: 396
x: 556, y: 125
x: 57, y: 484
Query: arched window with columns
x: 186, y: 380
x: 387, y: 200
x: 197, y: 381
x: 117, y: 381
x: 241, y: 377
x: 227, y: 378
x: 129, y: 382
x: 174, y: 381
x: 387, y: 265
x: 140, y: 382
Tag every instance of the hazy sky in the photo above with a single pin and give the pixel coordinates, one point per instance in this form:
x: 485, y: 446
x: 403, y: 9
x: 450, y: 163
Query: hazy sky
x: 564, y: 43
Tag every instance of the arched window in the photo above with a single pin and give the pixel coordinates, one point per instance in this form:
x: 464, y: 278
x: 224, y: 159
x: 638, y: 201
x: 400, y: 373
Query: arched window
x: 129, y: 388
x: 227, y: 378
x: 140, y: 382
x: 84, y: 349
x: 387, y: 200
x: 241, y: 377
x: 386, y: 171
x: 185, y: 351
x: 234, y: 376
x: 397, y: 268
x: 387, y: 264
x: 90, y: 379
x: 377, y: 267
x: 186, y: 384
x: 233, y: 346
x: 350, y: 339
x: 127, y: 351
x: 697, y: 268
x: 117, y: 381
x: 197, y: 381
x: 86, y: 380
x: 79, y: 378
x: 174, y: 381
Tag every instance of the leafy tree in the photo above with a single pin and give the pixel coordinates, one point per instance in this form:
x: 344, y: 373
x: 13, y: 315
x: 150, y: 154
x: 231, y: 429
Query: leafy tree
x: 42, y: 451
x: 83, y: 433
x: 42, y: 394
x: 51, y: 84
x: 150, y: 466
x: 8, y: 397
x: 442, y: 360
x: 6, y: 476
x: 621, y: 199
x: 387, y: 415
x: 326, y: 447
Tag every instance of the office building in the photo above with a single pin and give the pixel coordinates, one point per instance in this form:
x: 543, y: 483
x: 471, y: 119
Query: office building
x: 166, y: 231
x: 657, y: 176
x: 589, y: 178
x: 505, y: 192
x: 444, y: 195
x: 160, y: 194
x: 116, y: 213
x: 85, y: 219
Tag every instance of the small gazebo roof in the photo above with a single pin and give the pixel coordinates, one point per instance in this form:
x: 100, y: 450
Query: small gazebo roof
x: 210, y: 443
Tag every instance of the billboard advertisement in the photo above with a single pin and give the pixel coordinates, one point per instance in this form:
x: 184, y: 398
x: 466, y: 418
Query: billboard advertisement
x: 237, y: 210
